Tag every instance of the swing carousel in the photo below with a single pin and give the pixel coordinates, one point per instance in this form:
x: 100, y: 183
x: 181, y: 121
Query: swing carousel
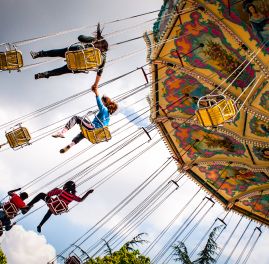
x: 210, y: 95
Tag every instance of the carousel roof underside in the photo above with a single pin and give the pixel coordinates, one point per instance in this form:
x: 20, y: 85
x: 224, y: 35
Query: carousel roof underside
x: 198, y: 47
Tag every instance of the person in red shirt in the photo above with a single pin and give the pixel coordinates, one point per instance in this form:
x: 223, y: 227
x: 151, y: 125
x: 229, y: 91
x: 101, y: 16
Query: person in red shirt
x: 67, y: 195
x: 18, y: 201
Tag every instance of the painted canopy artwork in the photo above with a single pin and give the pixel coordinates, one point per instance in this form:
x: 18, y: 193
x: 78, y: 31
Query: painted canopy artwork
x: 220, y: 46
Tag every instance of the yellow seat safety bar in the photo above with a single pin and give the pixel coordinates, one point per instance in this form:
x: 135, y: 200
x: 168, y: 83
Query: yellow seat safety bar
x: 223, y: 111
x: 96, y: 135
x: 18, y: 137
x: 11, y: 60
x: 83, y: 60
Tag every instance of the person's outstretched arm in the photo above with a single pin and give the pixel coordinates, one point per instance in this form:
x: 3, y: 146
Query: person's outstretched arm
x: 12, y: 191
x: 97, y: 79
x: 86, y: 195
x: 95, y: 90
x: 78, y: 199
x: 98, y: 99
x: 99, y: 72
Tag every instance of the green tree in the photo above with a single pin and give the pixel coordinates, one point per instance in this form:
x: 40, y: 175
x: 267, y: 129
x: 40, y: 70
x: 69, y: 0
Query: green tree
x: 206, y: 256
x: 125, y: 255
x: 3, y: 259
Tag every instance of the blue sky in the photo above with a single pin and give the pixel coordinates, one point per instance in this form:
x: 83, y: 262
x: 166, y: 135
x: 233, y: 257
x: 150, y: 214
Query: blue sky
x: 21, y: 94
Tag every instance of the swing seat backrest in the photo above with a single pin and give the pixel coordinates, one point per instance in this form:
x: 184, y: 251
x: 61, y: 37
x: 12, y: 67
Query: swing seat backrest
x: 96, y: 135
x: 10, y: 209
x: 72, y: 260
x: 57, y: 206
x: 11, y: 60
x: 84, y: 59
x: 18, y: 137
x: 223, y: 111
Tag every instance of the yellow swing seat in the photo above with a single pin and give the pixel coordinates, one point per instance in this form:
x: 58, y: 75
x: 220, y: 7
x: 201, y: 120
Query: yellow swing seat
x: 85, y: 59
x: 96, y: 135
x: 73, y: 260
x: 11, y: 60
x: 220, y: 111
x: 18, y: 137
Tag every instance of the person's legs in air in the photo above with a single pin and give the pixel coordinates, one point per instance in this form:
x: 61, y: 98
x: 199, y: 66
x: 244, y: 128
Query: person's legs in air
x: 2, y: 215
x: 55, y: 72
x: 5, y: 222
x: 49, y: 53
x: 73, y: 121
x: 44, y: 220
x: 40, y: 196
x: 75, y: 141
x: 53, y: 53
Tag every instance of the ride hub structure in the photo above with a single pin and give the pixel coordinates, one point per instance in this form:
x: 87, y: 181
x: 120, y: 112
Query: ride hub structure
x: 210, y: 96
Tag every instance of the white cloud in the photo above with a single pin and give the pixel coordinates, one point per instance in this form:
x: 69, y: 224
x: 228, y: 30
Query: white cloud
x: 21, y: 246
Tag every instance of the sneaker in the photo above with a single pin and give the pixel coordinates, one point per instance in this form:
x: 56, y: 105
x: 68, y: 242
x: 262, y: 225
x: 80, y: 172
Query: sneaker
x: 63, y: 150
x: 34, y: 54
x: 38, y: 229
x: 58, y: 135
x: 41, y: 75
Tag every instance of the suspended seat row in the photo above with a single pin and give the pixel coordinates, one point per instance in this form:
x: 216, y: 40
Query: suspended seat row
x: 215, y: 110
x: 19, y: 136
x: 56, y: 206
x: 85, y: 59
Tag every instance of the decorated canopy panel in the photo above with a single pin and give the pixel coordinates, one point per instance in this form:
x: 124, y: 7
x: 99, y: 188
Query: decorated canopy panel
x: 200, y: 48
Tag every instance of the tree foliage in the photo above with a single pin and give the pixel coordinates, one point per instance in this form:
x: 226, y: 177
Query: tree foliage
x: 125, y: 255
x: 206, y: 256
x: 3, y: 259
x: 135, y: 241
x: 181, y: 253
x: 122, y: 256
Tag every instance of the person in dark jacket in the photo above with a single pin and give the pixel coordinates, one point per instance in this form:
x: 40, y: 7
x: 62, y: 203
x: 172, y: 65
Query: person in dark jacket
x: 18, y: 202
x: 98, y: 41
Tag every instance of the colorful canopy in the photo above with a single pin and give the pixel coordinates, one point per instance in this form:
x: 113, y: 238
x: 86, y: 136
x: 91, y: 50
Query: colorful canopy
x: 220, y: 47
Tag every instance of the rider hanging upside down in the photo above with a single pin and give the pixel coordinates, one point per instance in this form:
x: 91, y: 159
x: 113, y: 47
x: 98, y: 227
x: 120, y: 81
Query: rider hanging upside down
x: 65, y: 195
x: 98, y: 41
x: 106, y: 108
x: 18, y: 202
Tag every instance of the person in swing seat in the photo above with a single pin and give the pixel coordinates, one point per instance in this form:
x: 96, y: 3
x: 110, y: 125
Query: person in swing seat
x: 106, y: 108
x: 98, y: 41
x: 18, y: 202
x: 67, y: 195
